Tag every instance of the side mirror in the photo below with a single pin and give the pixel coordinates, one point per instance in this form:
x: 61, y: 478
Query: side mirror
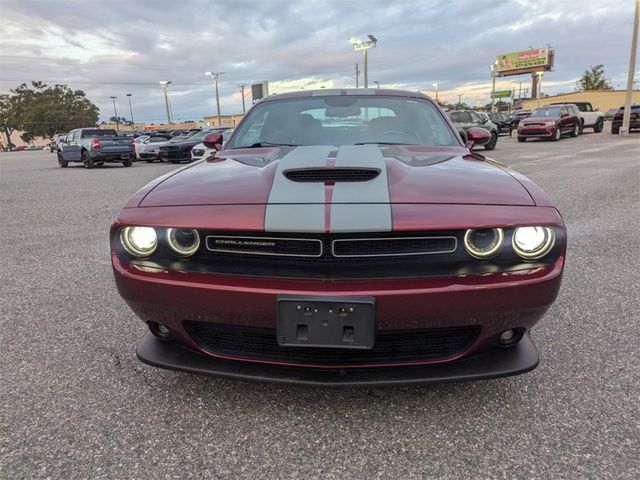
x: 477, y: 137
x: 597, y: 109
x: 213, y: 140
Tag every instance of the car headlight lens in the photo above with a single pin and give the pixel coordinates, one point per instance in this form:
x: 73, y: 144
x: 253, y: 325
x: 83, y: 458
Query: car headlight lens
x: 139, y: 241
x: 483, y: 243
x: 533, y: 242
x: 184, y: 242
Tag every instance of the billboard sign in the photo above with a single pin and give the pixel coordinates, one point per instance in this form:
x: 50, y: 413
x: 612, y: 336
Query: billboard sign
x: 502, y: 94
x: 516, y: 63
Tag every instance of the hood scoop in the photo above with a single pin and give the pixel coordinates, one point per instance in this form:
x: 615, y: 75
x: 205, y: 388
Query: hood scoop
x: 339, y: 174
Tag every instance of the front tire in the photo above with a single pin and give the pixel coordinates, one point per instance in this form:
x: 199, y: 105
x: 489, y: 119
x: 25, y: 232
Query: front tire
x: 576, y: 131
x: 615, y: 130
x: 556, y: 135
x: 599, y: 126
x: 61, y: 161
x: 128, y: 162
x: 522, y: 139
x: 87, y: 161
x: 492, y: 143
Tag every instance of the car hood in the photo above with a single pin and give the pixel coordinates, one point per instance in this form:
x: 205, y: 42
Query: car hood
x: 526, y: 120
x: 403, y: 174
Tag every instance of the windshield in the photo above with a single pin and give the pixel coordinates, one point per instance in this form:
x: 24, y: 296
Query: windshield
x: 547, y: 112
x: 344, y: 120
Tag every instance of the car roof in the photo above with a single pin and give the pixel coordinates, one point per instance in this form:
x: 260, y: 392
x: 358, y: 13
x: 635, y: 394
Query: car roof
x: 334, y: 92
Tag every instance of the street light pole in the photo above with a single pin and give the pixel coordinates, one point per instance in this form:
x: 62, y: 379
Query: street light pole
x: 626, y: 115
x: 214, y: 76
x: 364, y: 46
x: 115, y: 112
x: 133, y: 124
x: 357, y: 74
x: 164, y: 84
x: 493, y: 87
x: 539, y: 85
x: 242, y: 93
x: 436, y: 85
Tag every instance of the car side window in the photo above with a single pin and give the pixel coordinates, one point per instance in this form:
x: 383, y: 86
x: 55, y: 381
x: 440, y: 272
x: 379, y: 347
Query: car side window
x: 475, y: 118
x: 587, y: 108
x: 465, y: 117
x: 71, y: 137
x: 455, y: 117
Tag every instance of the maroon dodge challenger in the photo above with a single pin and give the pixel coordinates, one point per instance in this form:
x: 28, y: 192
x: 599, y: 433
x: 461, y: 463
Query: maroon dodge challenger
x: 341, y: 237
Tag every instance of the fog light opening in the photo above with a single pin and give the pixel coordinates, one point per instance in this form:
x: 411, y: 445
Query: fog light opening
x: 159, y: 330
x: 510, y: 337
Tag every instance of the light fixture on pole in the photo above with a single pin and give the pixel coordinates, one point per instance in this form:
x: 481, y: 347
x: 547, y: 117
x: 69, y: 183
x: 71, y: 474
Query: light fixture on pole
x: 133, y: 125
x: 435, y: 85
x: 214, y: 76
x: 377, y: 83
x: 364, y: 46
x: 165, y: 84
x: 115, y: 112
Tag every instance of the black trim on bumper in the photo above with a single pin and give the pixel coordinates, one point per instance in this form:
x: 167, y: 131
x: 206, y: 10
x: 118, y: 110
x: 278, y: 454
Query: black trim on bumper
x: 494, y: 363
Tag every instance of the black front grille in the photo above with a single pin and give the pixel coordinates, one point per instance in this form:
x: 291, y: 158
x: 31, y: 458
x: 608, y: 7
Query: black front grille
x: 170, y: 148
x: 399, y: 346
x: 332, y: 174
x: 387, y: 247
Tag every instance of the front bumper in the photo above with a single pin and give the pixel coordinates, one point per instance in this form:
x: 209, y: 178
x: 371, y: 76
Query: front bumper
x: 493, y: 363
x: 536, y: 132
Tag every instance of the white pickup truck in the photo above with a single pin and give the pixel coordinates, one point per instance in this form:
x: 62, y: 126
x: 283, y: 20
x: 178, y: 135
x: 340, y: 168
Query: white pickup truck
x: 590, y: 117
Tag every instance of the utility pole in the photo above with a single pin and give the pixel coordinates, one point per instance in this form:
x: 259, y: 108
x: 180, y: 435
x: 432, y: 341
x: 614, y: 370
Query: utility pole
x: 115, y: 112
x: 242, y: 93
x: 357, y: 74
x: 539, y: 85
x: 493, y: 87
x: 133, y: 124
x: 459, y: 101
x: 436, y: 87
x: 626, y: 115
x: 165, y: 84
x: 214, y: 76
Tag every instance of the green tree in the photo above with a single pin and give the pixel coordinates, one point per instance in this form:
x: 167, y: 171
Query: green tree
x: 594, y: 79
x: 41, y: 111
x: 8, y: 119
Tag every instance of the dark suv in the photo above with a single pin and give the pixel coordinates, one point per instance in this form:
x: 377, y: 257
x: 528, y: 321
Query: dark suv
x: 179, y: 148
x: 634, y: 120
x: 550, y: 122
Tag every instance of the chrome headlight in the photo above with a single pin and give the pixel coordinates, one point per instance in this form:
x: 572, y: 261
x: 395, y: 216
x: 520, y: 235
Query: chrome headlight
x: 533, y: 242
x: 183, y: 242
x: 483, y: 243
x: 139, y: 241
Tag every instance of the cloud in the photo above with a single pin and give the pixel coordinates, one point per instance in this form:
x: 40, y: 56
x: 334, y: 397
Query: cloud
x: 116, y: 47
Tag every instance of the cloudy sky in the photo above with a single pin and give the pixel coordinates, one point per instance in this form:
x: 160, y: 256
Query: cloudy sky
x: 115, y: 47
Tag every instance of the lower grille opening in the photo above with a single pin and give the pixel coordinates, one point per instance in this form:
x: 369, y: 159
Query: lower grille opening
x: 398, y: 346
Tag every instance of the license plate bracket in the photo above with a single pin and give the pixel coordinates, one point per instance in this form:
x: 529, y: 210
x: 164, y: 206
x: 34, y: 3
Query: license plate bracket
x: 329, y: 322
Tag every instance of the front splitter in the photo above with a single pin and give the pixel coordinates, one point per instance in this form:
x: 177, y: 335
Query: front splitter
x: 493, y: 363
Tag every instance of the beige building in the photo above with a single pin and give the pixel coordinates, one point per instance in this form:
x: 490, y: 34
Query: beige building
x: 603, y: 100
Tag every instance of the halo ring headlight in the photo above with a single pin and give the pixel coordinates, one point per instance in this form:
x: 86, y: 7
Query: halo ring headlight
x: 183, y: 242
x: 139, y: 241
x: 483, y: 243
x: 533, y: 242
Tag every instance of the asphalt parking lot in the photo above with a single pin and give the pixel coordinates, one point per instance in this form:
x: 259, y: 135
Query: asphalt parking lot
x: 76, y: 403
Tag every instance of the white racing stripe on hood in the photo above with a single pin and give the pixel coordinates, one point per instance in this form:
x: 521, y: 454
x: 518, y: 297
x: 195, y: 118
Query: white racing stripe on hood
x: 361, y: 206
x: 297, y: 206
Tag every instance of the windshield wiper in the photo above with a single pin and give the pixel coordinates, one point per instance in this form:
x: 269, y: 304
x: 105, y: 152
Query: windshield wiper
x: 267, y: 144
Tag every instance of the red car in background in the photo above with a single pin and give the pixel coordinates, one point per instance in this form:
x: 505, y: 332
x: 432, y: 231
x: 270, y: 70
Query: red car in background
x: 341, y: 237
x: 550, y: 122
